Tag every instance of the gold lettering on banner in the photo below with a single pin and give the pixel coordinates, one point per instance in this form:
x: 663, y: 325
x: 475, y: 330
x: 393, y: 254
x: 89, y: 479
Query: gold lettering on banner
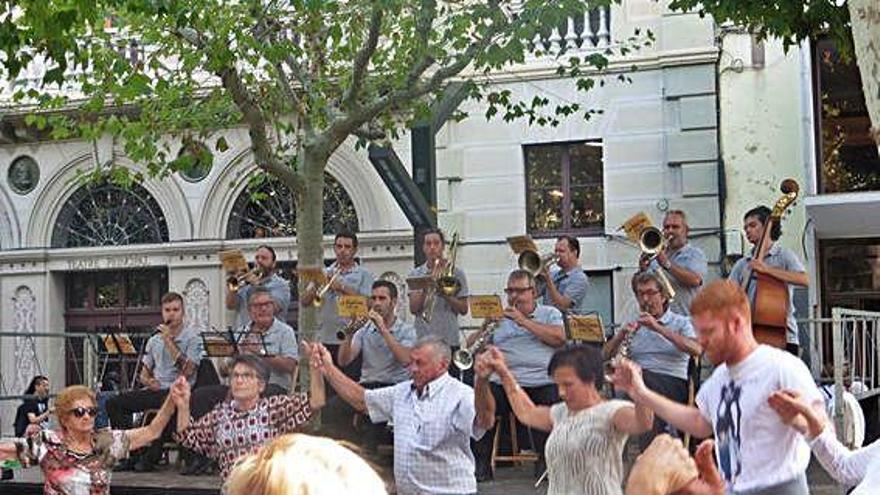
x: 586, y: 328
x: 485, y: 306
x: 349, y: 306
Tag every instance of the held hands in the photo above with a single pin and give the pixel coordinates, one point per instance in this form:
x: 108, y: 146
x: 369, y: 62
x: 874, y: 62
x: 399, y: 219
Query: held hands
x: 795, y: 412
x: 709, y: 482
x: 180, y: 392
x: 627, y: 377
x: 664, y: 467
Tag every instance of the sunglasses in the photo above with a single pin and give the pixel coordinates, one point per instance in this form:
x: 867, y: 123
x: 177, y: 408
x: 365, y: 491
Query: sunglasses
x: 79, y: 412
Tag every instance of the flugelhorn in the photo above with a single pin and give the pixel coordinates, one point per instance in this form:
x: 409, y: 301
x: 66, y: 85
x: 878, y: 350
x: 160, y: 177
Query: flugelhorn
x: 235, y: 282
x: 464, y: 358
x: 534, y: 263
x: 318, y: 301
x: 652, y: 242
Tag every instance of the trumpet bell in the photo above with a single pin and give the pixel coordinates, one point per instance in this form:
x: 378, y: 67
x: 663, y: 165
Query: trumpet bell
x: 449, y: 286
x: 463, y: 359
x: 529, y: 261
x: 651, y: 240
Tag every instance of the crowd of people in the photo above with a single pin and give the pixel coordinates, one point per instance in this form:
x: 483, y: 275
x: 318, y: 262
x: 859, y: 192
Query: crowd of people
x: 578, y: 404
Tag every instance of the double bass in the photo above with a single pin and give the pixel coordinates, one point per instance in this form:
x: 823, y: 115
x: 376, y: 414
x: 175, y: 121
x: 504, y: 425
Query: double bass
x: 770, y: 305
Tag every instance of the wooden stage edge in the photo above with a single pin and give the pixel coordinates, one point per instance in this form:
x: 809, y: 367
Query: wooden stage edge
x: 163, y: 481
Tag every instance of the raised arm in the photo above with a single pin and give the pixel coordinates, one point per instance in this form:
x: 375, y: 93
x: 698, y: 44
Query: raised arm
x: 317, y: 392
x: 348, y: 389
x: 634, y: 420
x: 484, y: 401
x: 144, y: 435
x: 523, y: 407
x: 628, y: 378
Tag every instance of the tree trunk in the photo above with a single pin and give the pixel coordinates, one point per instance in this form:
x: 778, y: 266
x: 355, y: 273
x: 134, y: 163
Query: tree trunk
x: 865, y: 21
x: 309, y: 237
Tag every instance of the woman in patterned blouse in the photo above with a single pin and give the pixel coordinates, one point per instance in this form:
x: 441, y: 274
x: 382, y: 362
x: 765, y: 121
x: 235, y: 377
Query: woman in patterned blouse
x: 77, y: 460
x: 244, y: 424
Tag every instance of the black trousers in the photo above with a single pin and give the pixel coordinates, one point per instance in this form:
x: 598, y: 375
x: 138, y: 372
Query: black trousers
x: 121, y: 407
x: 337, y: 421
x: 543, y: 395
x: 668, y: 386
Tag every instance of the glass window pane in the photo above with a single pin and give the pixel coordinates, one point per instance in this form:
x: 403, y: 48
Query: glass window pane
x: 140, y: 290
x: 544, y: 165
x: 586, y: 164
x: 849, y: 156
x: 545, y: 210
x: 107, y: 289
x: 587, y: 208
x: 853, y: 268
x: 77, y: 292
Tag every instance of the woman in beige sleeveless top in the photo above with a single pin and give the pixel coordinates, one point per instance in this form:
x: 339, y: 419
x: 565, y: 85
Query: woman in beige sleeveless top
x: 584, y: 452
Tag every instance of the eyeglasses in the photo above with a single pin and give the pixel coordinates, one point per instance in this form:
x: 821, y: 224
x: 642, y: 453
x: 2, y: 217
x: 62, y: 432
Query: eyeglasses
x: 79, y: 412
x: 244, y: 376
x: 262, y: 304
x: 649, y: 293
x: 517, y: 290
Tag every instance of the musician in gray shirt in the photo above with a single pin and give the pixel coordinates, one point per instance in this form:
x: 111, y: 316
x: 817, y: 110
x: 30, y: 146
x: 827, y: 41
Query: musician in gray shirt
x: 348, y: 278
x: 565, y: 286
x: 278, y: 287
x: 660, y: 341
x: 271, y: 338
x: 780, y: 263
x: 684, y: 264
x: 443, y: 317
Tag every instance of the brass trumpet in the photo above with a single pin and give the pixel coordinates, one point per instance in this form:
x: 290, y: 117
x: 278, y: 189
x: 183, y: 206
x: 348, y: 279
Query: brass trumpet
x: 652, y: 242
x: 236, y: 282
x: 318, y: 301
x: 534, y: 263
x: 464, y: 358
x: 445, y: 282
x: 352, y: 327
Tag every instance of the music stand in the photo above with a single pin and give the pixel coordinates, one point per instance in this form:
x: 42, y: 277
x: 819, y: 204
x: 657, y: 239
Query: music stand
x: 230, y: 343
x: 118, y: 345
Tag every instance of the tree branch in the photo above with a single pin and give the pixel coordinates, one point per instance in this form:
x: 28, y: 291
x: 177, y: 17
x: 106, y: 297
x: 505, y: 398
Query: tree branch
x: 253, y: 117
x: 362, y: 59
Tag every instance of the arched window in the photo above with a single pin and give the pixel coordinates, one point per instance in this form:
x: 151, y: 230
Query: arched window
x: 268, y: 209
x: 105, y: 214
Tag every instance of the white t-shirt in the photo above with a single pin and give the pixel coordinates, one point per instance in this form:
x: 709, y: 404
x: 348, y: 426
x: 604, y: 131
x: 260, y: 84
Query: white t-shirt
x: 754, y: 448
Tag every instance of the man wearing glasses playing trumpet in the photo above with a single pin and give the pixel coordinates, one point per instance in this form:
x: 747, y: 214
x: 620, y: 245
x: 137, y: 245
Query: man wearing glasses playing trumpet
x: 528, y: 335
x: 565, y: 286
x: 685, y: 262
x: 384, y: 343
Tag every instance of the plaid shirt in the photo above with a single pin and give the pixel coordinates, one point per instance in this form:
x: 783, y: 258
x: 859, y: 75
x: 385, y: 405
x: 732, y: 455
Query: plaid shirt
x: 432, y: 433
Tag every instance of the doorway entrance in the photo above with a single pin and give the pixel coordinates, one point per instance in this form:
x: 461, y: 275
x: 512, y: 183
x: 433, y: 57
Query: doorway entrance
x: 123, y: 301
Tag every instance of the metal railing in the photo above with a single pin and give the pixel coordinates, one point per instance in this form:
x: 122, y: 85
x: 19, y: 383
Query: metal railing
x: 844, y: 349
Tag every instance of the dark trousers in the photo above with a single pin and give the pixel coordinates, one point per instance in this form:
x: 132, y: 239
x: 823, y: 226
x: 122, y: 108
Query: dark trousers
x: 121, y: 407
x: 337, y: 418
x: 543, y: 395
x: 671, y: 387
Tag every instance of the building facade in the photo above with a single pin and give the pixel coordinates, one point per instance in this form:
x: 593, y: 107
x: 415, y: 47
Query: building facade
x: 91, y: 258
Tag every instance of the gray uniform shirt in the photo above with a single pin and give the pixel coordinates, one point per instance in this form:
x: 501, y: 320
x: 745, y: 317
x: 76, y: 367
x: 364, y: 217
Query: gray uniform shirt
x: 278, y: 287
x: 777, y: 257
x: 526, y: 355
x: 280, y: 341
x: 158, y: 359
x: 356, y: 277
x: 444, y: 321
x: 379, y: 364
x: 693, y: 259
x: 656, y: 354
x: 572, y: 284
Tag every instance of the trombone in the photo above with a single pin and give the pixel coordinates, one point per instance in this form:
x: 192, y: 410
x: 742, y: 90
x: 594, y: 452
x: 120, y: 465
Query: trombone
x: 318, y: 301
x: 652, y: 242
x: 464, y: 358
x: 236, y: 282
x: 445, y: 281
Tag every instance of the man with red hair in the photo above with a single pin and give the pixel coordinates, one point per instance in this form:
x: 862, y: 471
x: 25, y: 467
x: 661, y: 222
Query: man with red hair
x: 757, y: 453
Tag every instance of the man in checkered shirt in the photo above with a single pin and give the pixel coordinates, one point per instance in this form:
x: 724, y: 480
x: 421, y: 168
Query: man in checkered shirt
x: 434, y: 419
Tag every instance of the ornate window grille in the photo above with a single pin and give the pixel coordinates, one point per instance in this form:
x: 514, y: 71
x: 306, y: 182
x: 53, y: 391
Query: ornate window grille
x: 106, y: 214
x: 268, y: 209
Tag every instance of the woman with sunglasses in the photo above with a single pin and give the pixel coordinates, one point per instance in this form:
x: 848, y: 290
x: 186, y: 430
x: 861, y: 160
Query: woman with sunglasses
x: 77, y: 459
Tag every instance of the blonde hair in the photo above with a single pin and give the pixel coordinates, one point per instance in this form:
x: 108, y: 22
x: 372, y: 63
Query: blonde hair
x: 298, y: 464
x: 68, y: 397
x: 722, y: 299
